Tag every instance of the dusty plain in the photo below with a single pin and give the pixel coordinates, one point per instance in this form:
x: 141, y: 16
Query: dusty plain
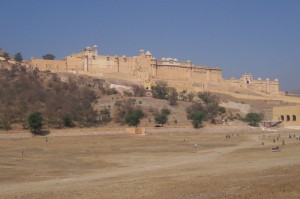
x: 164, y: 163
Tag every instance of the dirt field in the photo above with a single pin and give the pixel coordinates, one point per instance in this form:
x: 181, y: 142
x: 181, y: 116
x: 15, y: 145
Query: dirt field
x: 164, y: 163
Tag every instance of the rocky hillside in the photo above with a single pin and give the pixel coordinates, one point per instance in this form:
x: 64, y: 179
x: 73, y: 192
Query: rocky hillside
x: 57, y: 97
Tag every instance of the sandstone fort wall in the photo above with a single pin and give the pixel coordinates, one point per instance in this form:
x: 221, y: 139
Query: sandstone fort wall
x: 145, y: 70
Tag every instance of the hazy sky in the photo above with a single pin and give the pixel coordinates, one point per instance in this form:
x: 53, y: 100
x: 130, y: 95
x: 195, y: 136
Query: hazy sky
x: 261, y: 37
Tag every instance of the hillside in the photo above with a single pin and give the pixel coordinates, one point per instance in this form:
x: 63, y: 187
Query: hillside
x: 68, y: 100
x: 25, y: 90
x: 65, y: 97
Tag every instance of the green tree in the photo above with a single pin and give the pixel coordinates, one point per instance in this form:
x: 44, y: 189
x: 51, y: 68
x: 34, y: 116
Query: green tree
x: 133, y: 118
x: 160, y: 90
x: 196, y: 113
x: 68, y: 121
x: 122, y: 108
x: 49, y: 57
x: 35, y: 122
x: 162, y: 117
x: 197, y: 118
x: 211, y: 106
x: 18, y: 57
x: 253, y: 119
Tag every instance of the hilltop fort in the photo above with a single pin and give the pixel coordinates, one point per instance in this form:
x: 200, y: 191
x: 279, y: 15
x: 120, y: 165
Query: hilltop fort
x: 145, y: 70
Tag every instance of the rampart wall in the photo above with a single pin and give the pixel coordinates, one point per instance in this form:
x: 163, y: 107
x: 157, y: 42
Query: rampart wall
x: 145, y: 69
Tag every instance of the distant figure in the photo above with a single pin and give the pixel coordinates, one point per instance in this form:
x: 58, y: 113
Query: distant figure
x: 294, y: 135
x: 274, y: 140
x: 22, y: 153
x: 275, y: 149
x: 283, y: 143
x: 46, y: 139
x: 262, y: 143
x: 195, y: 145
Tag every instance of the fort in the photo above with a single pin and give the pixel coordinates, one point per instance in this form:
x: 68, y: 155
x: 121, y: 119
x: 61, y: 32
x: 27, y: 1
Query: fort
x: 144, y: 69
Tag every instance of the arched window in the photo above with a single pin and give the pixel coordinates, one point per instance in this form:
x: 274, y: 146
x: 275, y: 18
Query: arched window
x: 282, y: 117
x: 288, y: 118
x: 294, y: 118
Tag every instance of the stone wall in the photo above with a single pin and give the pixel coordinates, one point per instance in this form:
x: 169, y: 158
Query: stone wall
x: 49, y: 64
x: 145, y: 70
x: 289, y: 115
x: 243, y: 108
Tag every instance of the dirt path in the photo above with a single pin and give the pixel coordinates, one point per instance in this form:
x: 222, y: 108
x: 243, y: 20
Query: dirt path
x: 237, y: 157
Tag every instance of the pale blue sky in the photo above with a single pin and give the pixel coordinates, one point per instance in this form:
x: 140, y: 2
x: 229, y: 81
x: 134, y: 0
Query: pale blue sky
x: 261, y: 37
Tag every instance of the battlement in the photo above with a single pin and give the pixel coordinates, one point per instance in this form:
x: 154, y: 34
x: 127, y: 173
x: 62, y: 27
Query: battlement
x: 146, y: 69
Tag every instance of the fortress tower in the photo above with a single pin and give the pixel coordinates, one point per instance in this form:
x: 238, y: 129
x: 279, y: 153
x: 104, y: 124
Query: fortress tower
x: 90, y: 54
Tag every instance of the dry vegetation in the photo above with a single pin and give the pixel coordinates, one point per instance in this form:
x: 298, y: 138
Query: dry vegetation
x: 162, y: 164
x: 25, y: 90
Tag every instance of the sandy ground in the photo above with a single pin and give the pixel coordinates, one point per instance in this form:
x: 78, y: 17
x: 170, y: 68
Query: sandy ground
x: 164, y: 163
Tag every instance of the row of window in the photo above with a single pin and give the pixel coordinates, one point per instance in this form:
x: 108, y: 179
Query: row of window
x: 288, y: 118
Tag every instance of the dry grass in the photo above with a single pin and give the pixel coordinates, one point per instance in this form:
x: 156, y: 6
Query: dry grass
x: 158, y: 165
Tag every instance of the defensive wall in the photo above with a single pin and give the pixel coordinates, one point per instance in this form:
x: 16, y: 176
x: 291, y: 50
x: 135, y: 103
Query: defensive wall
x: 144, y: 69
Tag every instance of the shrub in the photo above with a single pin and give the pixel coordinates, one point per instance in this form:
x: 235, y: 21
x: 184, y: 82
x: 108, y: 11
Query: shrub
x: 162, y: 117
x: 197, y: 118
x: 127, y: 93
x: 139, y: 91
x: 49, y: 56
x: 122, y: 108
x: 133, y: 118
x: 5, y: 124
x: 18, y: 57
x: 35, y: 122
x: 172, y: 96
x: 190, y: 96
x: 196, y: 113
x: 253, y: 119
x: 160, y: 90
x: 68, y: 121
